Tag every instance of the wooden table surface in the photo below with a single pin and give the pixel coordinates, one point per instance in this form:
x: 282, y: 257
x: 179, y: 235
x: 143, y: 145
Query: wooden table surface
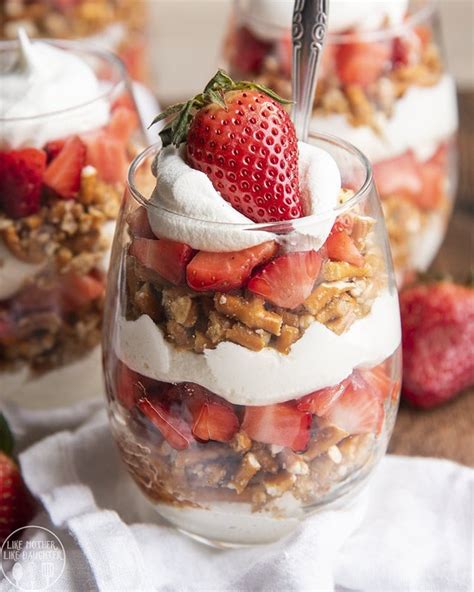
x: 448, y: 431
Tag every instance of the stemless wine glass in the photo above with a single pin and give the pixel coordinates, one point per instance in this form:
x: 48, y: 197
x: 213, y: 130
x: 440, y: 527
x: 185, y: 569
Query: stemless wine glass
x: 388, y: 92
x: 55, y: 236
x: 239, y: 412
x: 113, y: 25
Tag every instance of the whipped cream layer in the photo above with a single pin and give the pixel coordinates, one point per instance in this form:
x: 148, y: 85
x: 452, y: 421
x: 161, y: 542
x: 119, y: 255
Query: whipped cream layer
x: 421, y: 119
x: 48, y: 80
x: 317, y: 360
x: 270, y: 19
x: 187, y: 208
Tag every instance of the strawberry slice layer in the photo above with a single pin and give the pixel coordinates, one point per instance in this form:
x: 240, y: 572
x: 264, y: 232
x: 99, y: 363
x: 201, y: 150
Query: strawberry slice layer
x: 63, y: 175
x: 357, y: 411
x: 287, y: 280
x: 215, y: 421
x: 78, y: 291
x: 129, y: 386
x: 21, y: 177
x: 166, y: 257
x: 282, y: 424
x: 139, y: 225
x: 319, y: 402
x: 226, y: 271
x: 362, y: 63
x: 173, y: 428
x: 400, y: 175
x: 341, y: 247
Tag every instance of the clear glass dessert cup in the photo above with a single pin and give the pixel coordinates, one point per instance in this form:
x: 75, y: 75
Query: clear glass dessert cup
x: 388, y: 92
x: 113, y: 25
x: 240, y: 411
x: 62, y: 179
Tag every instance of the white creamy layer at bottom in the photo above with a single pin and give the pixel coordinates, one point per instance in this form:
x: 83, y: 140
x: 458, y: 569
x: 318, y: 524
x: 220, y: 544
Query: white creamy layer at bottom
x: 234, y: 522
x: 243, y: 377
x: 63, y: 386
x: 422, y: 118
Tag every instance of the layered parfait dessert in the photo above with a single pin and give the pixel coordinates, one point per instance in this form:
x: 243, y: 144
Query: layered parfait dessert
x: 252, y: 354
x: 66, y: 139
x: 114, y: 25
x: 383, y: 86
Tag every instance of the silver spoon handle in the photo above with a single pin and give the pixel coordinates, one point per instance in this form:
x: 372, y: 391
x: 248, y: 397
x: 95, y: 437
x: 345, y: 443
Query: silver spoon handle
x: 310, y: 19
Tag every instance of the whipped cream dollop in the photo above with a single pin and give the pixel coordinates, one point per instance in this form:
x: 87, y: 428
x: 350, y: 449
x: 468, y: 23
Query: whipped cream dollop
x: 186, y: 206
x: 43, y: 80
x: 318, y: 360
x: 268, y: 18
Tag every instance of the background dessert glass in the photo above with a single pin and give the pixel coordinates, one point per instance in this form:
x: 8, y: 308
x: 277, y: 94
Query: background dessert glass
x: 114, y: 25
x: 386, y: 91
x: 54, y: 255
x: 238, y: 417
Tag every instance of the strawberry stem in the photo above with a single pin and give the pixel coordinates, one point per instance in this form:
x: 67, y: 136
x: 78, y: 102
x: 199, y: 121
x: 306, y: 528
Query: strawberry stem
x: 181, y: 115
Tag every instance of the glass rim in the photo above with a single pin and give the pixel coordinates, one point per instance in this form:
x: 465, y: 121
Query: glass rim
x: 80, y: 47
x: 420, y: 15
x: 278, y: 226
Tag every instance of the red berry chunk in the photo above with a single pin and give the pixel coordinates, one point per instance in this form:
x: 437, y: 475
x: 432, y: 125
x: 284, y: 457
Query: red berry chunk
x: 362, y: 63
x: 248, y: 52
x: 129, y: 387
x: 53, y: 148
x: 400, y: 175
x: 63, y: 175
x: 80, y: 290
x: 320, y: 401
x: 341, y: 247
x: 226, y: 271
x: 173, y: 428
x: 287, y: 280
x: 21, y: 176
x: 357, y: 411
x: 377, y: 380
x: 139, y: 224
x: 215, y: 421
x: 166, y: 257
x: 282, y: 424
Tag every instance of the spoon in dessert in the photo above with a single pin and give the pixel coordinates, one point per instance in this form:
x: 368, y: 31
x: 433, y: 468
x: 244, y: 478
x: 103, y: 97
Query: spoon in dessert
x: 310, y: 19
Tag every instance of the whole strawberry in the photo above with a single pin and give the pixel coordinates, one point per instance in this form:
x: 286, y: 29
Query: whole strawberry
x: 16, y: 503
x: 438, y: 341
x: 241, y: 137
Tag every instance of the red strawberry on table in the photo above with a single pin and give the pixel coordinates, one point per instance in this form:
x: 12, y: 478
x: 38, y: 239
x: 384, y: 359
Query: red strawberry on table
x: 287, y: 280
x: 241, y: 137
x: 16, y: 503
x: 226, y: 271
x: 438, y: 342
x: 21, y: 178
x: 63, y: 175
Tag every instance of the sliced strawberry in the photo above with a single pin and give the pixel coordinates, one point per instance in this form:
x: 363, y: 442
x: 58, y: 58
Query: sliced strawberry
x: 215, y: 421
x: 80, y: 290
x: 63, y: 175
x: 432, y: 193
x: 320, y: 401
x: 406, y: 49
x: 123, y: 123
x: 362, y: 63
x: 21, y: 176
x: 249, y: 52
x: 225, y: 271
x: 377, y: 380
x: 106, y: 154
x: 398, y: 176
x: 282, y: 424
x: 166, y: 257
x: 139, y: 225
x: 7, y: 328
x: 341, y: 247
x: 173, y: 428
x: 129, y: 386
x: 287, y: 280
x: 53, y: 148
x: 357, y: 411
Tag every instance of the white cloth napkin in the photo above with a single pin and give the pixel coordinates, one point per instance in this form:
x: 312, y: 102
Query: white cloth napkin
x: 411, y: 531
